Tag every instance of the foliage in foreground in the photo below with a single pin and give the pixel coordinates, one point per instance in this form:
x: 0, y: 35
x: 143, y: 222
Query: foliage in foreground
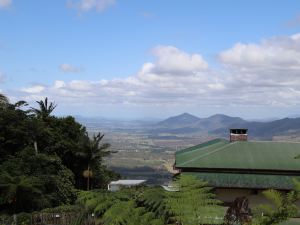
x: 192, y: 204
x: 282, y: 207
x: 122, y: 207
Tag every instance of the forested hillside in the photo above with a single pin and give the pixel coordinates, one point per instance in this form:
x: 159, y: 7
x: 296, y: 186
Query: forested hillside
x: 44, y: 159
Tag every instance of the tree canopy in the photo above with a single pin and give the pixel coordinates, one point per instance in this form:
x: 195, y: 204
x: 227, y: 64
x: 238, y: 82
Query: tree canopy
x: 40, y: 157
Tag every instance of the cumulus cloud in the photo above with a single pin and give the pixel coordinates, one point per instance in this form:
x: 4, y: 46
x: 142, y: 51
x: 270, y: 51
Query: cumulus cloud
x: 87, y: 5
x: 253, y: 74
x: 5, y: 3
x: 68, y: 68
x: 174, y: 74
x: 173, y: 60
x: 35, y: 89
x: 278, y: 52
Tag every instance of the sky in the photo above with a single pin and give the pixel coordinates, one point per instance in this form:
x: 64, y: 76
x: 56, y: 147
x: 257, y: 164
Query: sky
x: 152, y: 58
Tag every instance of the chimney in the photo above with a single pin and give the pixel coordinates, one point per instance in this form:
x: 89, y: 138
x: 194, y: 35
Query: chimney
x: 238, y: 135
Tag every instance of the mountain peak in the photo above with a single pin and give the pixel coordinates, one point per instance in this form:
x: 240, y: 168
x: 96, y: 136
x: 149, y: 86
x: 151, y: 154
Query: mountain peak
x: 184, y: 119
x: 186, y: 114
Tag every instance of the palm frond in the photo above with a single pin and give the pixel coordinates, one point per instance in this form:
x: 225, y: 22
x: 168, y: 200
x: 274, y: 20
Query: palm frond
x: 44, y: 109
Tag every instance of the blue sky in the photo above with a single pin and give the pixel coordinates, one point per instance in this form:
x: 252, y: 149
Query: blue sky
x: 135, y: 59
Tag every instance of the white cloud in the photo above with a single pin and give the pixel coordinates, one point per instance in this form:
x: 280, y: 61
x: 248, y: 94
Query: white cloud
x: 5, y: 3
x: 257, y: 74
x: 35, y: 89
x: 87, y: 5
x: 68, y: 68
x: 174, y: 74
x: 59, y: 84
x: 278, y: 52
x: 171, y: 59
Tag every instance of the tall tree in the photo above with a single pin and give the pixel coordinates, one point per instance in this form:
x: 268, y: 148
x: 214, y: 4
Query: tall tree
x: 93, y: 152
x: 45, y: 109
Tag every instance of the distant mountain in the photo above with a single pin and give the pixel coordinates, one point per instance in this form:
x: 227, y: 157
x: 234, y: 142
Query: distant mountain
x: 182, y: 120
x: 189, y: 125
x: 220, y: 121
x: 267, y: 130
x: 219, y: 124
x: 186, y: 124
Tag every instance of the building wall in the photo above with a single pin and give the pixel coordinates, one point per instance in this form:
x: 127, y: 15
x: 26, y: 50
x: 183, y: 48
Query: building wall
x: 255, y: 197
x: 229, y: 195
x: 114, y: 187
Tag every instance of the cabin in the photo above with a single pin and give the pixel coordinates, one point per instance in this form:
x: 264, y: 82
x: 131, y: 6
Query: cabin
x: 240, y: 168
x: 119, y: 184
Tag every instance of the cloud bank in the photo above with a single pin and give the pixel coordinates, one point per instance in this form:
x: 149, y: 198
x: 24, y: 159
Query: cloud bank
x: 249, y: 74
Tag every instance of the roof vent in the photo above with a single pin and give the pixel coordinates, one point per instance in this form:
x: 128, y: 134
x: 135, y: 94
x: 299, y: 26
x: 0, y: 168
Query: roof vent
x: 238, y: 135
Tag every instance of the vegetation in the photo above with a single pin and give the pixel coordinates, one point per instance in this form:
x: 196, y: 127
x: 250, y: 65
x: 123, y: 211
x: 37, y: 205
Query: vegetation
x: 191, y: 203
x: 93, y: 153
x: 194, y: 203
x: 50, y: 164
x: 42, y: 160
x: 282, y: 207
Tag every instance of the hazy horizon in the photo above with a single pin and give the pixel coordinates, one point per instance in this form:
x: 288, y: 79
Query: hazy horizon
x: 157, y: 119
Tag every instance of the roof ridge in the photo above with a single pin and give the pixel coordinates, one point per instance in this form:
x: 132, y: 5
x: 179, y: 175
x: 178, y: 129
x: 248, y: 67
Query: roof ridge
x: 209, y: 153
x: 210, y: 143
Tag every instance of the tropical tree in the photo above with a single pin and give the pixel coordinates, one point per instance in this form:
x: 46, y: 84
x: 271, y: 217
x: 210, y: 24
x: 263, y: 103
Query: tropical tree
x: 93, y: 152
x: 45, y: 109
x: 31, y: 181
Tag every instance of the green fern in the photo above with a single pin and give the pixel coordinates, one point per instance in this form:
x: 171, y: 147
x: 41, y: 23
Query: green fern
x: 194, y: 203
x: 153, y: 201
x: 126, y: 207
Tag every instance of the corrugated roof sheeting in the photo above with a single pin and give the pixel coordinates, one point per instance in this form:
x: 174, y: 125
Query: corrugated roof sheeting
x: 241, y: 155
x: 252, y: 181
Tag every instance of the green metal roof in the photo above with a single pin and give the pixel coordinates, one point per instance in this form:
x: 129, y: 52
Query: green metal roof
x: 252, y: 181
x: 222, y: 154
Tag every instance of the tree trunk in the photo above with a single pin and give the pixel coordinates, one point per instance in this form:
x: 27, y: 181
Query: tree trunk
x: 88, y: 178
x: 35, y: 147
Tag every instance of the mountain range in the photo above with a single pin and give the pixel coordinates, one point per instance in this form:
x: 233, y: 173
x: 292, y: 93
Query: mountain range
x: 185, y: 124
x: 219, y: 124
